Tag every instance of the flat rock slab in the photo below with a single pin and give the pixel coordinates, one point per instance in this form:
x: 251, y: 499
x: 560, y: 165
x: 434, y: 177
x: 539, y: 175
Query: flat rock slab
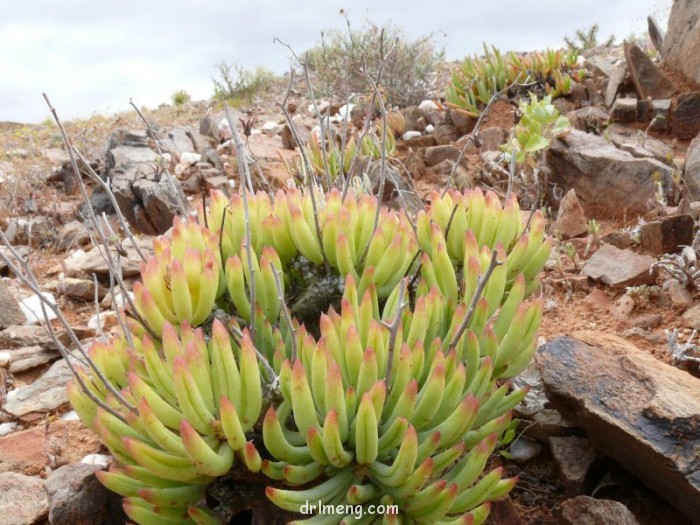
x: 641, y: 412
x: 92, y: 262
x: 45, y: 394
x: 585, y: 510
x: 23, y: 501
x: 648, y: 80
x: 619, y: 268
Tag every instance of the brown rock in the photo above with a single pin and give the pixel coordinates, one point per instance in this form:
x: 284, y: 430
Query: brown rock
x: 656, y: 34
x: 660, y: 115
x: 681, y: 49
x: 10, y: 312
x: 623, y: 307
x: 617, y: 77
x: 624, y: 110
x: 545, y: 424
x: 620, y: 240
x: 462, y: 122
x: 619, y: 268
x: 584, y: 510
x: 445, y: 134
x: 415, y: 120
x: 648, y: 80
x: 288, y: 138
x: 437, y: 154
x: 22, y: 251
x: 667, y: 235
x: 678, y: 294
x: 691, y: 179
x: 641, y: 412
x: 591, y: 119
x: 82, y: 289
x: 686, y: 117
x: 23, y: 501
x: 609, y: 182
x: 691, y: 318
x: 645, y: 321
x: 573, y: 457
x: 503, y: 512
x: 19, y: 336
x: 26, y: 451
x: 598, y: 299
x: 216, y: 182
x: 76, y: 497
x: 72, y: 235
x: 571, y: 219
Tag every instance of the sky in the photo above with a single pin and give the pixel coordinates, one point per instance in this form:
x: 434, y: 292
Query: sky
x: 93, y: 56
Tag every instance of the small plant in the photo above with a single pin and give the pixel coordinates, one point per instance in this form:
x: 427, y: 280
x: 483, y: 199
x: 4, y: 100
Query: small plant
x: 540, y: 122
x: 478, y: 79
x: 180, y: 97
x: 408, y: 75
x: 593, y: 240
x: 587, y: 39
x: 237, y: 85
x: 683, y: 267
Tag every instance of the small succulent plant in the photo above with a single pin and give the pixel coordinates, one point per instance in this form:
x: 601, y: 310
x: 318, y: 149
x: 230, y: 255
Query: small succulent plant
x: 400, y: 396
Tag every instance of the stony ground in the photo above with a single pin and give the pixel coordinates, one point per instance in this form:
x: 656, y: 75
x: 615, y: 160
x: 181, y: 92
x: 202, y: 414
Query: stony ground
x: 585, y: 286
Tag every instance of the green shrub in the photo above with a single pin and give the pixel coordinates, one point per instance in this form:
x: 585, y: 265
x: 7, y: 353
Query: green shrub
x: 236, y: 85
x: 180, y: 97
x: 586, y: 39
x: 409, y: 71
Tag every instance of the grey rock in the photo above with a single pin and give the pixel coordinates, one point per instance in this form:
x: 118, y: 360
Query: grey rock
x: 212, y: 157
x: 437, y: 154
x: 639, y: 146
x: 599, y: 65
x: 19, y: 336
x: 72, y: 235
x: 10, y: 312
x: 22, y: 251
x: 414, y: 118
x: 460, y: 121
x: 288, y: 138
x: 686, y: 116
x: 591, y: 119
x: 667, y: 235
x: 76, y: 497
x: 100, y: 202
x: 647, y: 79
x: 30, y: 357
x: 93, y: 261
x: 45, y: 394
x: 656, y: 34
x: 584, y: 510
x: 609, y: 182
x: 617, y: 77
x: 619, y: 268
x: 573, y: 457
x: 660, y: 114
x: 461, y: 179
x: 82, y: 289
x: 23, y: 501
x: 681, y: 50
x: 571, y: 219
x: 691, y: 172
x: 445, y: 133
x: 637, y: 410
x: 624, y: 110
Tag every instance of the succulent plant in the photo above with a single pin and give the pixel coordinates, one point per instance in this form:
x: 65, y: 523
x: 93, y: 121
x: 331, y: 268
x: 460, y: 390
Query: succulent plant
x: 398, y: 399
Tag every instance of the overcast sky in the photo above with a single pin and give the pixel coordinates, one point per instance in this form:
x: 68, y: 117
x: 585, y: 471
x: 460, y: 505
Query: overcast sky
x: 92, y: 56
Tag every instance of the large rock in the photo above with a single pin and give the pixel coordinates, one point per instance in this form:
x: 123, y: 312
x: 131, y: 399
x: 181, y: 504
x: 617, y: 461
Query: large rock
x: 10, y: 312
x: 76, y: 497
x: 45, y: 394
x: 686, y: 116
x: 585, y: 510
x: 648, y: 80
x: 667, y: 235
x: 691, y: 176
x: 141, y: 188
x: 23, y: 500
x: 93, y: 262
x: 571, y: 220
x: 639, y: 411
x: 619, y: 268
x: 681, y: 50
x: 609, y: 183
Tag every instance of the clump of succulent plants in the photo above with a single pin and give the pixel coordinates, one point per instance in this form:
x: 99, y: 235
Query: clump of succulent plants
x: 349, y: 353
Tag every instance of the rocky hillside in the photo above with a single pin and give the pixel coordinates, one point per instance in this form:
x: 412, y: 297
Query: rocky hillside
x: 610, y: 430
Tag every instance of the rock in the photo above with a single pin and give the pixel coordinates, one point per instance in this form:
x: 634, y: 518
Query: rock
x: 81, y: 263
x: 461, y: 122
x: 678, y: 294
x: 72, y: 235
x: 660, y: 115
x: 628, y: 139
x: 7, y: 428
x: 599, y: 65
x: 647, y: 79
x: 624, y: 110
x: 584, y: 510
x: 619, y: 268
x: 620, y: 240
x: 33, y: 311
x: 414, y: 118
x: 10, y: 311
x: 686, y: 117
x: 22, y: 251
x: 617, y: 77
x: 667, y: 235
x: 26, y: 451
x: 45, y: 394
x: 461, y: 179
x: 100, y: 202
x: 573, y: 457
x: 445, y: 133
x: 431, y: 112
x: 591, y: 119
x: 571, y: 220
x: 181, y: 140
x: 30, y: 357
x: 396, y: 187
x: 503, y: 512
x: 523, y: 450
x: 644, y: 321
x: 81, y: 289
x: 691, y: 178
x: 608, y: 182
x: 681, y: 50
x: 656, y: 34
x: 545, y: 424
x: 24, y: 501
x: 5, y: 359
x: 691, y: 318
x: 26, y: 335
x: 33, y: 231
x: 288, y: 138
x: 76, y: 497
x: 210, y: 156
x: 437, y: 154
x: 409, y: 135
x: 623, y: 307
x: 637, y: 410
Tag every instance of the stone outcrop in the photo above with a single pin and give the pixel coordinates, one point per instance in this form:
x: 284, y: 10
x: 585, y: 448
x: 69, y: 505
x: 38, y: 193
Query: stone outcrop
x: 681, y: 49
